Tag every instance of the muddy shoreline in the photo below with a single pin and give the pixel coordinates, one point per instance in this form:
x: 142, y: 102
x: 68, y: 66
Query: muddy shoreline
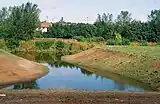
x: 77, y: 97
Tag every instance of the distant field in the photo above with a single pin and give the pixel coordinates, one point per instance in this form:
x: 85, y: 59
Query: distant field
x: 65, y: 40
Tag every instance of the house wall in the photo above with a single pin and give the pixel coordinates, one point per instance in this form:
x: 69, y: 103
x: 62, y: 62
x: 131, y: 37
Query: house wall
x: 43, y: 30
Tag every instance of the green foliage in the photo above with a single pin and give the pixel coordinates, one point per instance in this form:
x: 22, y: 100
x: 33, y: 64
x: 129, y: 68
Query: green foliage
x: 37, y: 35
x: 97, y: 39
x: 3, y: 44
x: 143, y: 44
x: 158, y: 43
x: 63, y: 48
x: 27, y: 46
x: 60, y: 45
x: 12, y: 43
x: 69, y: 30
x: 44, y: 44
x: 79, y: 38
x: 111, y: 42
x: 18, y: 23
x: 125, y: 41
x: 118, y: 39
x: 123, y: 18
x: 106, y: 28
x: 154, y: 25
x: 22, y: 21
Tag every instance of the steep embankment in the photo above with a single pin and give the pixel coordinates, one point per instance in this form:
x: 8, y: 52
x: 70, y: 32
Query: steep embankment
x: 14, y: 69
x: 141, y: 68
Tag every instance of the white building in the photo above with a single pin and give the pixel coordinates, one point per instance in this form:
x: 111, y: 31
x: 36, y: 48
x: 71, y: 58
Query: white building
x: 44, y: 26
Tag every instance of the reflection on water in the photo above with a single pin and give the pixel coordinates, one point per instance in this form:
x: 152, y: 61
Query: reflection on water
x: 67, y: 76
x: 29, y: 85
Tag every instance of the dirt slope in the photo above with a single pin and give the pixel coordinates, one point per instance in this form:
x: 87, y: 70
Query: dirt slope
x: 15, y: 69
x: 77, y: 97
x: 99, y: 58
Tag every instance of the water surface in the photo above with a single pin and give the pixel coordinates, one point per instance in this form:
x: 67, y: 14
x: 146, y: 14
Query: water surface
x: 66, y: 76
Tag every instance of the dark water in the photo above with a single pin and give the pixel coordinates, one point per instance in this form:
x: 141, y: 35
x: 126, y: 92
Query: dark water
x: 66, y: 76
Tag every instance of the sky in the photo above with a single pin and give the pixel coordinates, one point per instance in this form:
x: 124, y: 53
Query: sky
x: 87, y: 10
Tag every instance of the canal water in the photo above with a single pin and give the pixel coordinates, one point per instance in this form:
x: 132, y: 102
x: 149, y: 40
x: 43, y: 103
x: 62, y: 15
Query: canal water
x: 66, y: 76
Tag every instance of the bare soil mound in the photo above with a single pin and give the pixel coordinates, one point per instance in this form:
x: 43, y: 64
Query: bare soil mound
x: 100, y: 58
x: 14, y: 69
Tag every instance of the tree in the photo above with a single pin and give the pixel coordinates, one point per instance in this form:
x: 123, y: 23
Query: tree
x: 104, y: 26
x: 61, y: 20
x: 107, y: 18
x: 154, y: 25
x: 99, y: 19
x: 3, y: 16
x: 23, y: 21
x: 124, y: 17
x: 19, y: 23
x: 122, y: 22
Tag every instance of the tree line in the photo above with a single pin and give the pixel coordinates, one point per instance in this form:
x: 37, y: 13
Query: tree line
x: 107, y: 27
x: 20, y: 23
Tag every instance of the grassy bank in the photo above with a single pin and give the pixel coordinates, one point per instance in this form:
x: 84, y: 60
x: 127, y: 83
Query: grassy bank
x: 14, y: 69
x: 139, y: 63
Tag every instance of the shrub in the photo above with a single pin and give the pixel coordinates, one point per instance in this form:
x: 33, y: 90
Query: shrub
x: 3, y: 44
x: 79, y: 38
x: 12, y: 43
x: 80, y: 46
x: 134, y: 43
x: 59, y: 45
x: 125, y: 41
x: 111, y: 42
x: 97, y: 39
x: 27, y: 46
x: 118, y: 39
x: 66, y: 49
x: 44, y: 44
x: 37, y: 35
x: 151, y: 43
x: 158, y: 43
x: 143, y: 44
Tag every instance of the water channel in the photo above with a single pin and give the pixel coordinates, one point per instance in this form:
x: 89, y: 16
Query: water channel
x: 63, y: 75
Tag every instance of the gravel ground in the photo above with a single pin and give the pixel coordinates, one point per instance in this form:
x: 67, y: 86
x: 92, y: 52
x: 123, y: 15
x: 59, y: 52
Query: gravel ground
x: 77, y: 97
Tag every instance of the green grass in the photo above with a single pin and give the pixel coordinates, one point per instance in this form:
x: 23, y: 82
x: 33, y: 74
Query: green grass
x: 141, y: 67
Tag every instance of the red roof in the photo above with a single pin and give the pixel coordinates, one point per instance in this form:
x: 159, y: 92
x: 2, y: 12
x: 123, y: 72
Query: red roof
x: 45, y: 24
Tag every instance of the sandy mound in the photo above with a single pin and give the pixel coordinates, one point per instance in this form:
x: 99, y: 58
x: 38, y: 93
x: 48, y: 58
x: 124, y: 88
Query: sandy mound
x: 15, y: 69
x: 99, y: 57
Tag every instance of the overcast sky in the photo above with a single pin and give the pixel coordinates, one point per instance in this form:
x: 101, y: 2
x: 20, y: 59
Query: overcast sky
x: 79, y: 10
